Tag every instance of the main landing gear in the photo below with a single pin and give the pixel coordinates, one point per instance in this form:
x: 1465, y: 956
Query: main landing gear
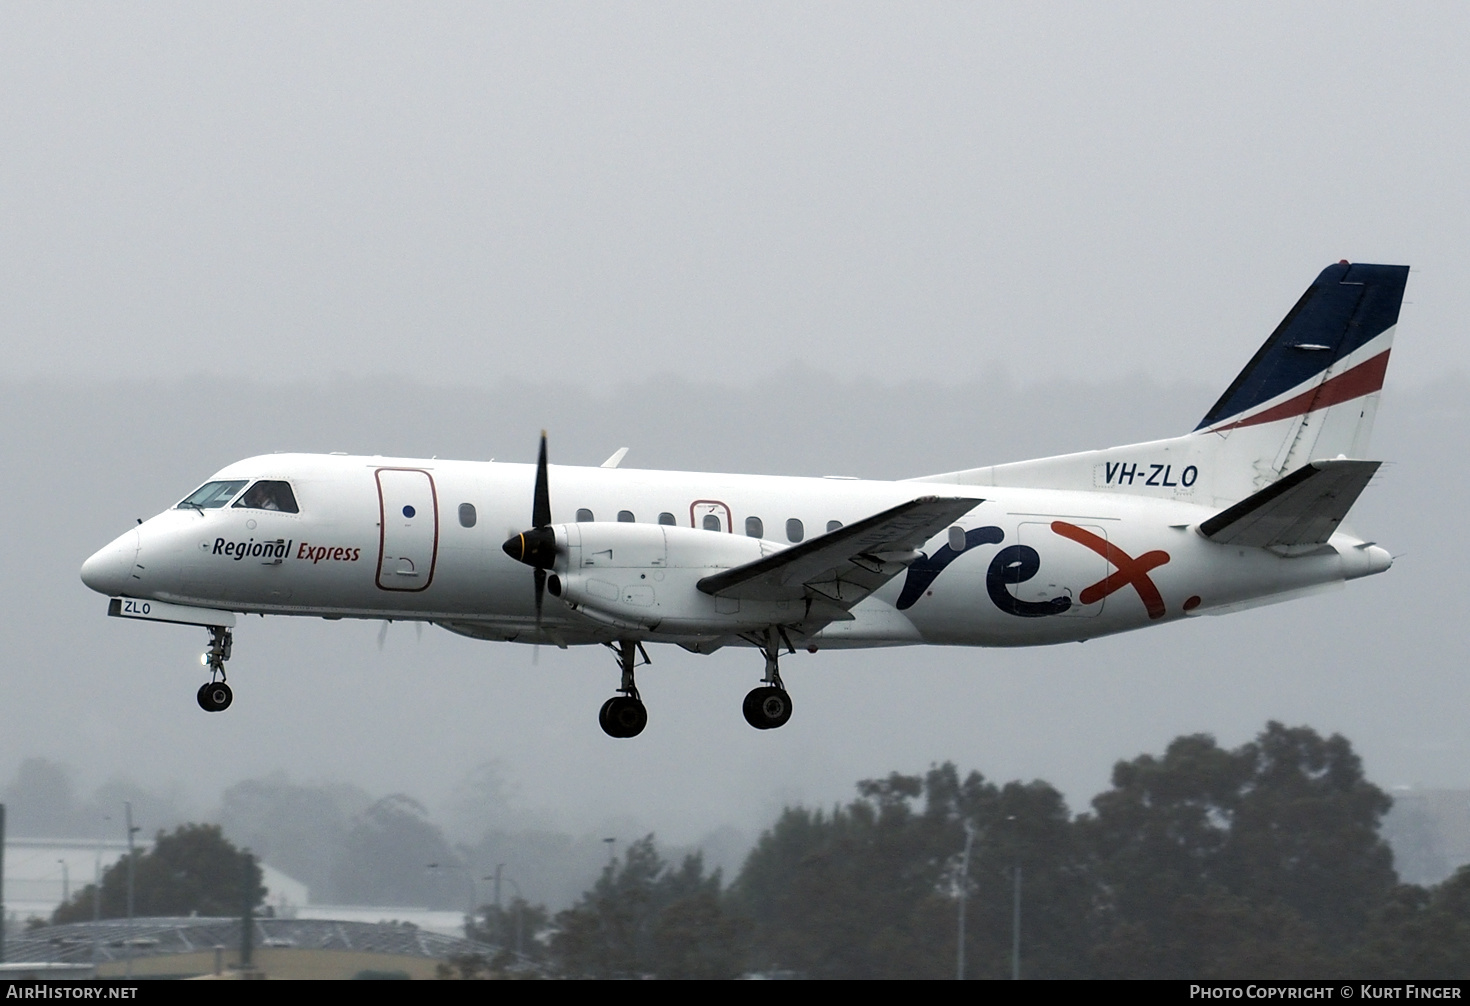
x: 769, y: 706
x: 624, y: 715
x: 215, y: 696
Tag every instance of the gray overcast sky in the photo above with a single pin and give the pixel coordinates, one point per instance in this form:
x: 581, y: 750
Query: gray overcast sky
x: 806, y: 216
x: 587, y: 193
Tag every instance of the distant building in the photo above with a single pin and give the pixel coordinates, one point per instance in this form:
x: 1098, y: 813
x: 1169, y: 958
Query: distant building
x: 188, y: 947
x: 41, y: 873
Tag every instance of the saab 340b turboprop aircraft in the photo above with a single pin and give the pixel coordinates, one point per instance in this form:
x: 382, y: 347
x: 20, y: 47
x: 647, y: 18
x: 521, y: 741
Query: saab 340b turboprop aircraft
x: 1245, y: 510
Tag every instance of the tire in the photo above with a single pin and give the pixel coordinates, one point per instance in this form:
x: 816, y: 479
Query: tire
x: 623, y: 716
x: 767, y: 708
x: 215, y: 697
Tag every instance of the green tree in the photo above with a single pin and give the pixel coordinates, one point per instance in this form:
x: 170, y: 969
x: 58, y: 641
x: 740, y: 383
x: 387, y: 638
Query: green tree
x: 300, y: 829
x: 1421, y: 933
x: 386, y: 855
x: 644, y: 918
x: 1258, y: 862
x: 869, y: 890
x: 193, y: 870
x: 518, y: 928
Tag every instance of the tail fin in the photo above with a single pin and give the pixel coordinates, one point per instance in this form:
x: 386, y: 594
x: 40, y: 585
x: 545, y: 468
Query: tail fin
x: 1312, y: 390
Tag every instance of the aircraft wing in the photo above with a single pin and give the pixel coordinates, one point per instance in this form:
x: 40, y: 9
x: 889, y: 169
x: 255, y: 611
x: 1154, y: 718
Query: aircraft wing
x: 836, y: 570
x: 1304, y: 508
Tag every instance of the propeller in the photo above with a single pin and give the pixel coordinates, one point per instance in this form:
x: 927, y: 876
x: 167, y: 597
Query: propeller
x: 537, y: 547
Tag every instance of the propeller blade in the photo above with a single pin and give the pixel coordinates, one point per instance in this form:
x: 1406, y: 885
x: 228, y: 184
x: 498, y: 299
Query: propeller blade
x: 541, y: 501
x: 540, y: 575
x: 537, y: 546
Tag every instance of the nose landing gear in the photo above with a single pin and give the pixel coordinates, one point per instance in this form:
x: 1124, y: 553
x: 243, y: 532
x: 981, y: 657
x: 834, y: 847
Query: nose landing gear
x: 769, y: 706
x: 624, y: 715
x: 214, y: 695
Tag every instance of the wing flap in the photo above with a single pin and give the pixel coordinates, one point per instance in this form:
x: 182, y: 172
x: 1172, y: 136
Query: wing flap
x: 1304, y: 508
x: 842, y: 567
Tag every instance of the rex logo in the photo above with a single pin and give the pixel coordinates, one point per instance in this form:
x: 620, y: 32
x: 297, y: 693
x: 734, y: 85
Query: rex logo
x: 1018, y: 563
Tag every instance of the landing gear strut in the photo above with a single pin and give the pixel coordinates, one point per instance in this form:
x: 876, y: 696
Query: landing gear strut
x: 214, y: 695
x: 769, y: 706
x: 623, y: 715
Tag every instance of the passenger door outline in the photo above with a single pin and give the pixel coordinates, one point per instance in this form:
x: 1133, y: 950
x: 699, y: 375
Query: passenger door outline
x: 700, y: 508
x: 407, y: 545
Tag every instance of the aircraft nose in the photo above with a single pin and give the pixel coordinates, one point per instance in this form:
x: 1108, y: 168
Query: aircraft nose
x: 110, y: 568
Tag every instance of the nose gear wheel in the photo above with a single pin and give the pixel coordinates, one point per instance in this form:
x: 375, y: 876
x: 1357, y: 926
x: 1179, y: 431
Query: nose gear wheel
x: 214, y: 695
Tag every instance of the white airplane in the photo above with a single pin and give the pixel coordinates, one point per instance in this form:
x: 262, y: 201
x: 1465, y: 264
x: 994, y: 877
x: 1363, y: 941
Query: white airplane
x: 1247, y: 509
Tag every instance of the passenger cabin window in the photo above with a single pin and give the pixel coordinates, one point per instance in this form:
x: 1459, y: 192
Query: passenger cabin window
x: 711, y: 522
x: 666, y: 518
x: 266, y: 495
x: 625, y: 517
x: 833, y: 525
x: 583, y: 515
x: 212, y: 495
x: 754, y: 528
x: 794, y: 530
x: 467, y: 515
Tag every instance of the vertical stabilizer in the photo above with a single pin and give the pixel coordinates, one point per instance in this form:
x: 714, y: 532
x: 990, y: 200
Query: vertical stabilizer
x: 1312, y: 390
x: 1310, y: 393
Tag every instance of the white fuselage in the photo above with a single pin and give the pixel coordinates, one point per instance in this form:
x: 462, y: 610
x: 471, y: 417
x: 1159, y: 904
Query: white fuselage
x: 391, y: 538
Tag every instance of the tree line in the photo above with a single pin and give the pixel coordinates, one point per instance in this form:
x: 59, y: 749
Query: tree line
x: 1265, y: 861
x: 1262, y: 861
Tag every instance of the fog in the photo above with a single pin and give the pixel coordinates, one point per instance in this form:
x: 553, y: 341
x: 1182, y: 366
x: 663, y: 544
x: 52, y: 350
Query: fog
x: 1378, y: 661
x: 862, y: 239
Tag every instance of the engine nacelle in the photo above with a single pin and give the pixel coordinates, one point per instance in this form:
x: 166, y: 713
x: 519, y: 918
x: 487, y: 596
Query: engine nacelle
x: 644, y: 577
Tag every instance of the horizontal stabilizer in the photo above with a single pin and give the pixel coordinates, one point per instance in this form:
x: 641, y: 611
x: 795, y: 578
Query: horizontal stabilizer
x: 1304, y: 508
x: 843, y: 566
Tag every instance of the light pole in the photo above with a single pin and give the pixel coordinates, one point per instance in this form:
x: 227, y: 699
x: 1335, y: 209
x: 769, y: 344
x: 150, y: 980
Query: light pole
x: 959, y: 966
x: 469, y: 877
x: 1015, y: 904
x: 520, y: 927
x: 128, y: 815
x: 1016, y: 928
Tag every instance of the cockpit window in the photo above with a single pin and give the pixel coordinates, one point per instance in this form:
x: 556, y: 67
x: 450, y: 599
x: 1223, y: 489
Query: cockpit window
x: 269, y: 496
x: 211, y: 495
